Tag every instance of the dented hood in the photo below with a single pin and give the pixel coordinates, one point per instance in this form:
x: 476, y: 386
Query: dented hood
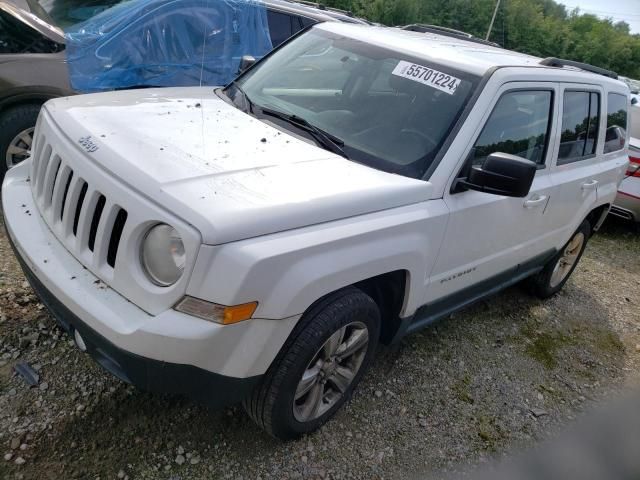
x: 226, y: 173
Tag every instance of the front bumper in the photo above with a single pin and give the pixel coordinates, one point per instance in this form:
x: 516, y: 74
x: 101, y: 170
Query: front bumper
x: 145, y: 373
x: 170, y: 352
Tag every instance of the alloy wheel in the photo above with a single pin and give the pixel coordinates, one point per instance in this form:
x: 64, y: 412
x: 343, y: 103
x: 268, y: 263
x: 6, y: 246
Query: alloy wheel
x: 568, y: 259
x: 19, y: 148
x: 331, y: 371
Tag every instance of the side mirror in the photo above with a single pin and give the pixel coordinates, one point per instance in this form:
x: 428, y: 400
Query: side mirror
x: 502, y: 174
x: 246, y: 62
x: 634, y: 100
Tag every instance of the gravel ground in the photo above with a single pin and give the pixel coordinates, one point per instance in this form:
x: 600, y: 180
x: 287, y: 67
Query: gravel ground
x: 493, y: 379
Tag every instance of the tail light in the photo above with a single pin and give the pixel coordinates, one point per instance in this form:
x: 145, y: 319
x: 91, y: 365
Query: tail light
x: 634, y: 167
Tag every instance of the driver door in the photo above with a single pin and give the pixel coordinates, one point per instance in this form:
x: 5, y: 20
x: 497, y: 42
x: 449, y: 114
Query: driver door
x: 490, y: 239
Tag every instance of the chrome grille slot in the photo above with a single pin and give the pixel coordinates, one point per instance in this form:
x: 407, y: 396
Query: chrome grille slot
x: 95, y: 220
x: 50, y: 179
x: 42, y: 170
x: 116, y: 234
x: 59, y: 181
x: 65, y: 193
x: 81, y: 197
x: 41, y: 140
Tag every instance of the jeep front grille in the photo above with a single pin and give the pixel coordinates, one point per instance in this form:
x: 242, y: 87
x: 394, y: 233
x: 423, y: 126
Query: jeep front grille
x: 88, y: 223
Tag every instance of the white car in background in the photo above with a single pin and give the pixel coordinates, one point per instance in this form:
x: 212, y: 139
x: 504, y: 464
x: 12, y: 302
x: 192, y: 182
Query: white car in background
x: 627, y: 203
x: 634, y: 88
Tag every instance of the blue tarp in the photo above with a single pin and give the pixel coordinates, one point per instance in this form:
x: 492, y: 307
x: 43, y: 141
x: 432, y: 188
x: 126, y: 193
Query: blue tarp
x: 164, y: 43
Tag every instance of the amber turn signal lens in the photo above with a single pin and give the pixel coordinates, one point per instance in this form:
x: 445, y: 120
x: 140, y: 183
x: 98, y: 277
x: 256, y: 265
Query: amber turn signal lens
x: 214, y: 312
x: 239, y: 313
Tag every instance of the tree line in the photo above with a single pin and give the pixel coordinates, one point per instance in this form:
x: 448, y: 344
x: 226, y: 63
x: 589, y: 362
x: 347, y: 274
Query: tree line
x: 543, y: 28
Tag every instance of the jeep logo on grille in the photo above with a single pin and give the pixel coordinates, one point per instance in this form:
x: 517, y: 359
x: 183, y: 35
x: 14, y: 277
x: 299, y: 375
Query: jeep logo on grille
x: 88, y: 144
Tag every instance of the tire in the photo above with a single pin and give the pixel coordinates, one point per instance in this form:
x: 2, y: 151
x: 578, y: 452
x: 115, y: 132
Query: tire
x: 14, y: 121
x: 551, y: 279
x: 273, y: 404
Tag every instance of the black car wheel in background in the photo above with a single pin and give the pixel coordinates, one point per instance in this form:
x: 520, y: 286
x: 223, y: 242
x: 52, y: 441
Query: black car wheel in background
x: 16, y: 134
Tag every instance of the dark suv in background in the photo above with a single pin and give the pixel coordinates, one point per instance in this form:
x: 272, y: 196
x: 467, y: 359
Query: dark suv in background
x: 32, y: 56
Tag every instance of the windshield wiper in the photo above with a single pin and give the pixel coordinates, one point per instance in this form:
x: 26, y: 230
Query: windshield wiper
x: 330, y: 142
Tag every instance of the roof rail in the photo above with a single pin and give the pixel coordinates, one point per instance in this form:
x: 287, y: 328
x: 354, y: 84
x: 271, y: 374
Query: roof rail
x: 447, y: 32
x: 560, y: 62
x: 321, y: 6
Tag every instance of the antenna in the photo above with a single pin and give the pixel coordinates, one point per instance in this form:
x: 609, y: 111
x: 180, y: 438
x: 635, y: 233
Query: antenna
x: 204, y: 44
x: 493, y: 19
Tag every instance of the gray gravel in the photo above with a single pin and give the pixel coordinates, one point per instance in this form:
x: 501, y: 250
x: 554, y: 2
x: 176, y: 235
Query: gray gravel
x: 492, y: 380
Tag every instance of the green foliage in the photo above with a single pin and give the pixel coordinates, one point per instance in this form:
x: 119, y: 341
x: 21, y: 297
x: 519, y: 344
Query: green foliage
x: 618, y: 118
x: 539, y: 27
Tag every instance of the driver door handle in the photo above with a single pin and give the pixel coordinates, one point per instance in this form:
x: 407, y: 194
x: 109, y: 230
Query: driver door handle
x: 536, y: 201
x: 590, y: 185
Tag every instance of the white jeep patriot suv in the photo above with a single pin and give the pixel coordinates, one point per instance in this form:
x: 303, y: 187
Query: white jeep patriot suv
x: 257, y: 242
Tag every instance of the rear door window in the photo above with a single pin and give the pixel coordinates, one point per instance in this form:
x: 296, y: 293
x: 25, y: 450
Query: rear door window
x: 580, y: 120
x: 519, y: 125
x: 616, y: 122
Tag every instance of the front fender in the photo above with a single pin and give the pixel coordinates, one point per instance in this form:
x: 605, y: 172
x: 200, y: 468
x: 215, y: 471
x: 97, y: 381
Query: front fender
x: 288, y: 271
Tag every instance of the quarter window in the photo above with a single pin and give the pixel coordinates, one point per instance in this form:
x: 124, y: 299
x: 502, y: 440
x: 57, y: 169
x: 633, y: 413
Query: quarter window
x: 580, y: 120
x: 519, y: 125
x: 307, y: 21
x: 616, y: 122
x: 279, y: 27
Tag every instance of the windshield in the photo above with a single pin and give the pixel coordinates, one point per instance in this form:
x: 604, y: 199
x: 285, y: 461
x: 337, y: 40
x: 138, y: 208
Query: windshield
x: 391, y: 111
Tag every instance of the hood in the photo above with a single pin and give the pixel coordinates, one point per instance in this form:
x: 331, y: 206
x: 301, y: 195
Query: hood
x: 228, y: 174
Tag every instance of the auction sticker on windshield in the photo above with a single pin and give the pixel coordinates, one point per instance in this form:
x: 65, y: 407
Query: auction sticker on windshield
x: 427, y: 76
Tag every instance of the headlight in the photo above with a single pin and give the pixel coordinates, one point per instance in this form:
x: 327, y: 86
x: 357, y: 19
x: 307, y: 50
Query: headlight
x: 163, y: 256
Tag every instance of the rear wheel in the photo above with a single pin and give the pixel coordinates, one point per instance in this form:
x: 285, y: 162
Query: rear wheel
x: 556, y: 273
x: 319, y: 366
x: 16, y: 135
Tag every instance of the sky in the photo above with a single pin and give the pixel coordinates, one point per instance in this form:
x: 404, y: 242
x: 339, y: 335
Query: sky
x: 627, y: 10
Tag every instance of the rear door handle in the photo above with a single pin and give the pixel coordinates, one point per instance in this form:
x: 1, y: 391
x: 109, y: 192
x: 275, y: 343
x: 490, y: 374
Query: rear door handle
x: 591, y: 185
x: 537, y: 201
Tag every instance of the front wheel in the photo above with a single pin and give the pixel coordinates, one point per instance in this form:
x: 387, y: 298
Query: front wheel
x: 319, y: 366
x: 556, y: 273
